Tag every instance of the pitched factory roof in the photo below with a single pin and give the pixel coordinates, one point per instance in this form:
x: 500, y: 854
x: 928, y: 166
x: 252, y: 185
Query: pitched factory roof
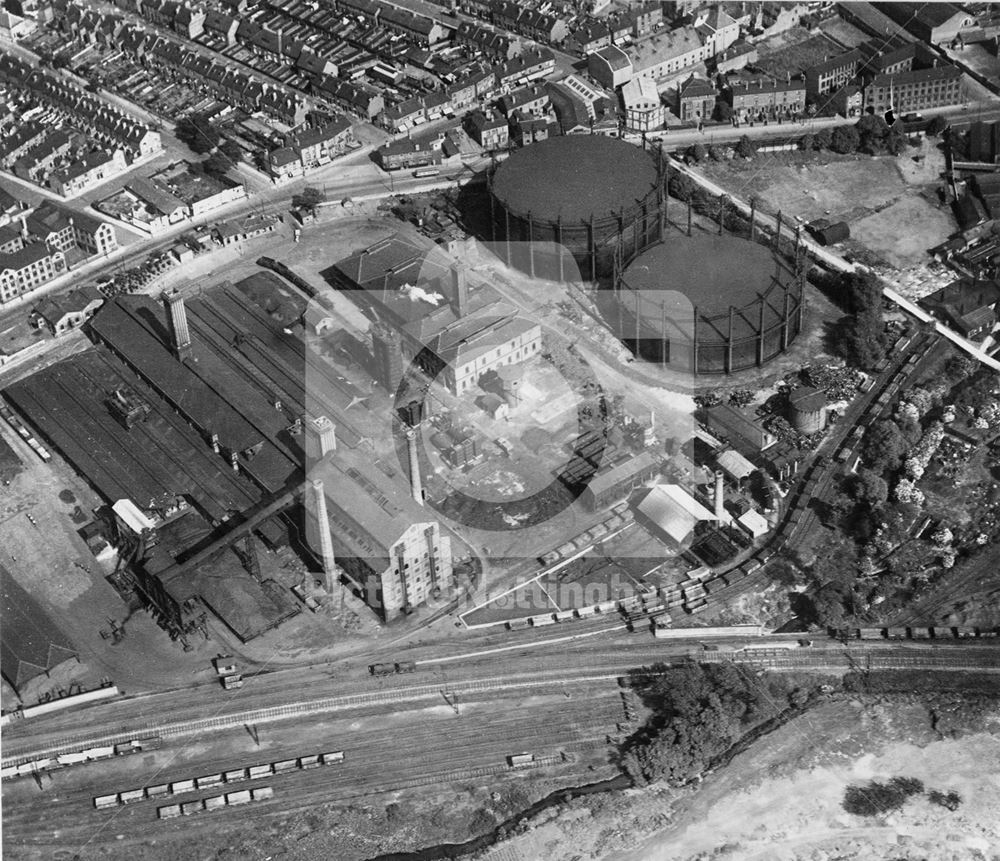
x: 31, y: 642
x: 673, y: 510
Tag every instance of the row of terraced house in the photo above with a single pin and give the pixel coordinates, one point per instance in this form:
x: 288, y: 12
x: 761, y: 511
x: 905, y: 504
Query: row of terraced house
x: 84, y: 140
x: 171, y: 59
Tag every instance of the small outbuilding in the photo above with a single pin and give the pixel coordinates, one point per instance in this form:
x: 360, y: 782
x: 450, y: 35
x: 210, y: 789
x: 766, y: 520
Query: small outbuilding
x: 830, y: 233
x: 753, y: 523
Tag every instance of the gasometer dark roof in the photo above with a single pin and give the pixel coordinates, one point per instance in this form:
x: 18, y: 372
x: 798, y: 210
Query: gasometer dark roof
x: 575, y: 177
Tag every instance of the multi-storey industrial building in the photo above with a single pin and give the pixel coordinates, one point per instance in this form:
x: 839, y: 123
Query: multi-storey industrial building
x: 386, y: 543
x: 427, y: 312
x: 915, y: 90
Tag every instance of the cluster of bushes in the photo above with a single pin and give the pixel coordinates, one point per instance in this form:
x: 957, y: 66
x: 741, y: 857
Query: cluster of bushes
x: 876, y: 798
x: 699, y: 712
x: 870, y: 135
x: 682, y: 187
x: 699, y: 152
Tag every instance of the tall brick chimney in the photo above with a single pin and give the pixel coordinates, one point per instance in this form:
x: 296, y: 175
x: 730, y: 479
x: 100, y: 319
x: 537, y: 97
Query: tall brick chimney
x: 460, y: 287
x: 180, y: 338
x: 318, y: 533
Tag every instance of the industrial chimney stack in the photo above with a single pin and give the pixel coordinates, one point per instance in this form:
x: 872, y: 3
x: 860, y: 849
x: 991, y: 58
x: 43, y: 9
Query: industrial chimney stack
x: 416, y: 487
x: 321, y: 541
x: 180, y: 338
x: 720, y: 498
x: 460, y: 288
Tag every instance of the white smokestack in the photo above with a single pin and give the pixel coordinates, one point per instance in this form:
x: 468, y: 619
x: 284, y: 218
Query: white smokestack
x: 720, y: 497
x: 320, y: 539
x: 416, y: 488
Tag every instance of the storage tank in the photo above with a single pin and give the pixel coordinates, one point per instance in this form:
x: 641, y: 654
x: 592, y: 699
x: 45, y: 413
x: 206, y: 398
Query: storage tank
x: 807, y: 409
x: 587, y: 193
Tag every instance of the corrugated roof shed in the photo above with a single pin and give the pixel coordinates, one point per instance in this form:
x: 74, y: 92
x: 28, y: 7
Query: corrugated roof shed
x: 30, y: 642
x: 735, y: 464
x: 673, y: 510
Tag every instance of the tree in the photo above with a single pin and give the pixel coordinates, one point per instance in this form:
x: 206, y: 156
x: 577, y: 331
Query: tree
x: 216, y: 164
x: 309, y: 199
x: 951, y: 800
x: 863, y: 291
x: 845, y: 140
x: 861, y: 341
x: 830, y: 605
x: 937, y: 125
x: 824, y: 139
x: 716, y: 153
x: 959, y: 368
x: 232, y: 150
x: 745, y: 148
x: 869, y: 489
x: 681, y: 186
x: 697, y: 152
x: 884, y: 446
x: 896, y: 141
x: 807, y: 143
x: 723, y: 111
x: 872, y: 134
x: 198, y: 133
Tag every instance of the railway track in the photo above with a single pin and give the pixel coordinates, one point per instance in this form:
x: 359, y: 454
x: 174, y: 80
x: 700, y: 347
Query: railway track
x: 946, y: 596
x: 585, y: 664
x: 964, y: 660
x: 376, y: 762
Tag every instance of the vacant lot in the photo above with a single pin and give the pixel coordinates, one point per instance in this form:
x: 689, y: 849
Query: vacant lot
x: 846, y: 34
x: 794, y: 52
x: 876, y: 196
x: 925, y: 227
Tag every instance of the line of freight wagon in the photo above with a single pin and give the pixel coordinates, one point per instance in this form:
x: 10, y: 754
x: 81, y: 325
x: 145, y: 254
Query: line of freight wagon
x: 252, y: 772
x: 216, y: 802
x: 960, y: 632
x: 90, y: 754
x: 23, y: 432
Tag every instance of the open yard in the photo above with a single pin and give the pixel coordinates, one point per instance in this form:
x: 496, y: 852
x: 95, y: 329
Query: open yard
x: 839, y: 30
x: 795, y: 51
x: 926, y: 226
x: 873, y: 195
